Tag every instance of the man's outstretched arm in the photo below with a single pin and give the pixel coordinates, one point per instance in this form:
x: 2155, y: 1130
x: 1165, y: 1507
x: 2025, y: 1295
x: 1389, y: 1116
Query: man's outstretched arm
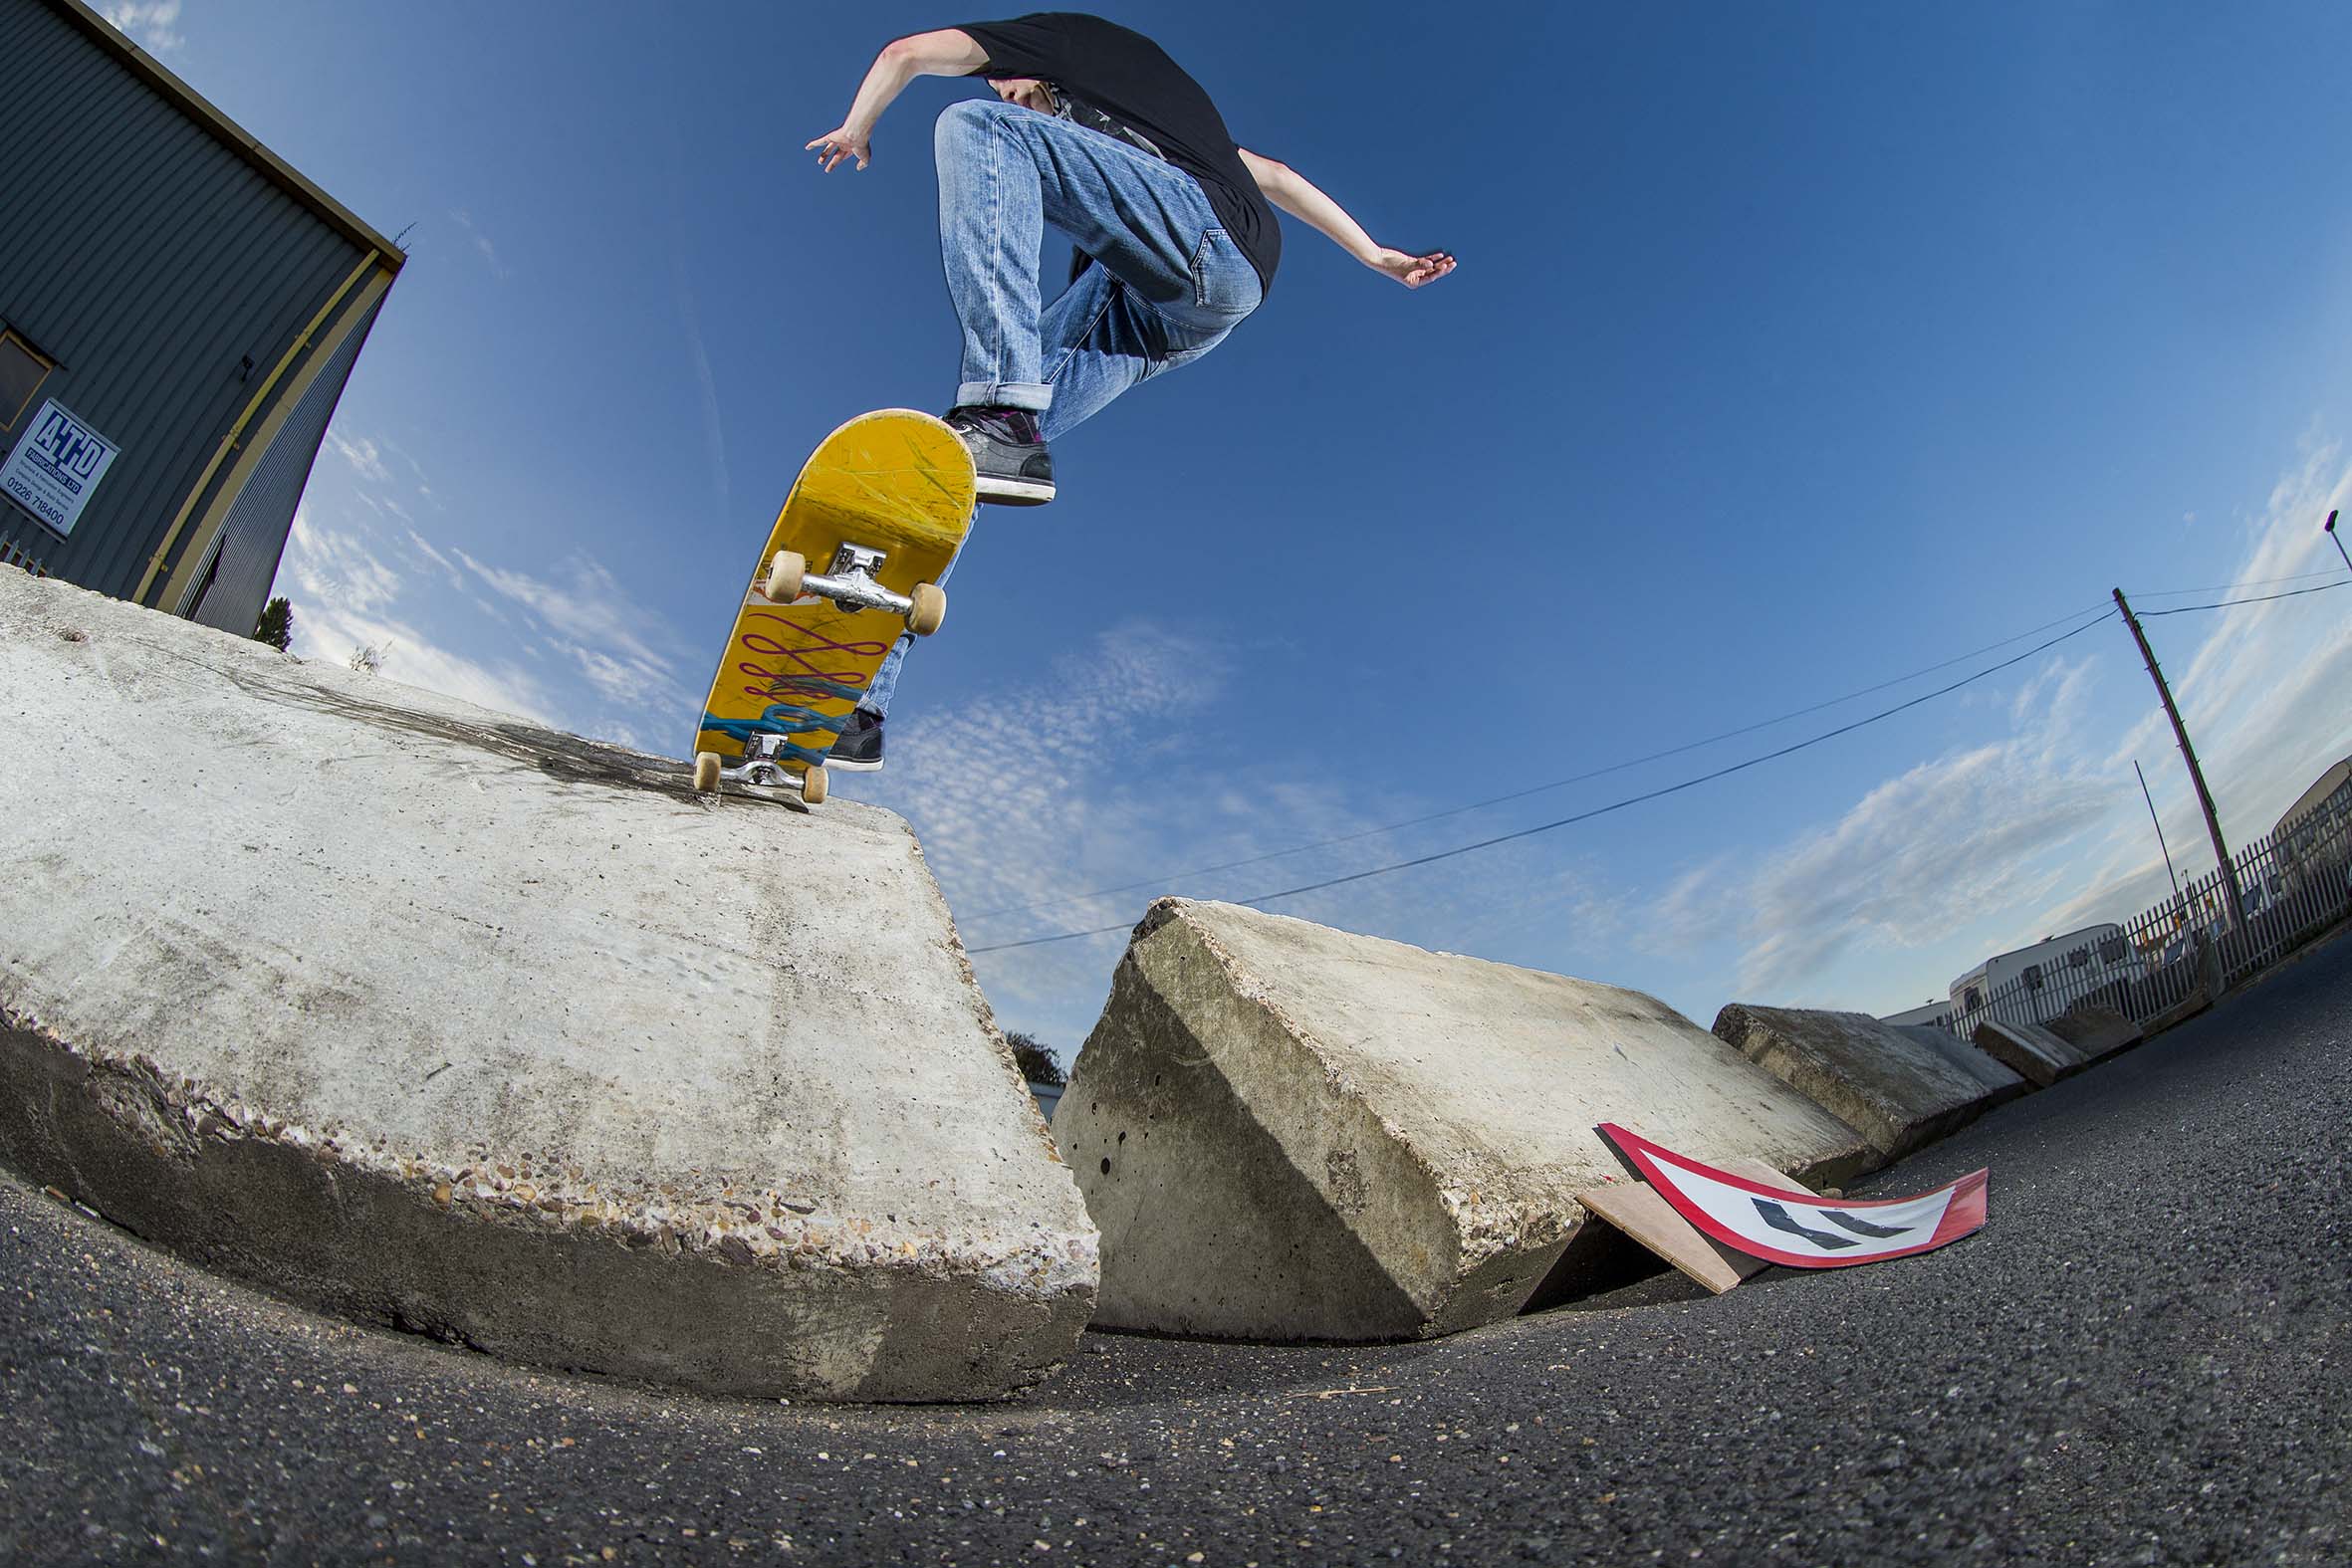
x: 950, y: 52
x: 1291, y: 192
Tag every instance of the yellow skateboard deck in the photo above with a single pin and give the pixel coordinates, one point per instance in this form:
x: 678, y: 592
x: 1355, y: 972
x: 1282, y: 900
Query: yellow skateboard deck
x: 879, y: 510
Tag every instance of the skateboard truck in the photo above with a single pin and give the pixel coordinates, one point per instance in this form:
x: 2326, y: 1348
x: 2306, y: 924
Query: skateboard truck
x: 759, y: 768
x: 849, y: 581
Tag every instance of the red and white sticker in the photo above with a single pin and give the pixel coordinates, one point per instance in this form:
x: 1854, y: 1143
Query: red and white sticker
x: 1784, y: 1228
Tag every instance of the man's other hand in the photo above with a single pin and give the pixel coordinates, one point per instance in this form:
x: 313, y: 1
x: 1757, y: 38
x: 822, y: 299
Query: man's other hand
x: 1414, y: 271
x: 836, y: 146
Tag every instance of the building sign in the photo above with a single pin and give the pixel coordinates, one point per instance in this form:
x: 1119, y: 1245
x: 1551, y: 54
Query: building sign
x: 56, y: 467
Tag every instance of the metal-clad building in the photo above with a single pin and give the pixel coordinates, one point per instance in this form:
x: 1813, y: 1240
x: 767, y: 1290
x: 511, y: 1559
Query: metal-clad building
x: 180, y: 312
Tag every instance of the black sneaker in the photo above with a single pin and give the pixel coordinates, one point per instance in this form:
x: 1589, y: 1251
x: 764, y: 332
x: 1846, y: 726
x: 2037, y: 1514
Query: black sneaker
x: 858, y: 748
x: 1013, y: 466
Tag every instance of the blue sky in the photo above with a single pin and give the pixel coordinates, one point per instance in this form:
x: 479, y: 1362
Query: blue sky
x: 1793, y: 348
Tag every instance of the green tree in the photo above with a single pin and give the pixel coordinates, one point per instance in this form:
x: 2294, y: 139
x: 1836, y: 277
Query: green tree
x: 276, y: 626
x: 1037, y: 1062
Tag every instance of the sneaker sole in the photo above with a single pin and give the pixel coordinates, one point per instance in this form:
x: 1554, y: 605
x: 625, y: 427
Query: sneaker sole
x: 1014, y: 492
x: 838, y: 765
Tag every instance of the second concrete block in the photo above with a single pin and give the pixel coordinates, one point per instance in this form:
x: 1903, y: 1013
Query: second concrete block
x: 1289, y: 1132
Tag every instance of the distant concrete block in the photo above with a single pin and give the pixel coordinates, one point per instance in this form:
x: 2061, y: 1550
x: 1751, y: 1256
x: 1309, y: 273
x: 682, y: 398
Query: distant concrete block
x: 431, y: 1016
x: 2036, y: 1054
x: 2098, y: 1033
x: 1289, y: 1132
x: 1902, y: 1085
x: 2199, y: 999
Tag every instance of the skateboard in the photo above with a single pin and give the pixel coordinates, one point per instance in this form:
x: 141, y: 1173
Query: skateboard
x: 882, y: 507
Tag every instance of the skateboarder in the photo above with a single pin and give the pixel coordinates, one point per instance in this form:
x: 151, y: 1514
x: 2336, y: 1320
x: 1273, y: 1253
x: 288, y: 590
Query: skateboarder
x: 1098, y: 132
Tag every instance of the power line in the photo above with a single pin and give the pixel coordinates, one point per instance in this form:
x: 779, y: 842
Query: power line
x: 2232, y: 588
x: 2265, y: 598
x: 1601, y: 811
x: 1520, y: 794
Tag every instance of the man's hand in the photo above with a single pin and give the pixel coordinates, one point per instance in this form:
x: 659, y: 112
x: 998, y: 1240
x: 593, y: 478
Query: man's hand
x: 1413, y: 271
x: 949, y: 52
x: 836, y: 146
x: 1297, y: 195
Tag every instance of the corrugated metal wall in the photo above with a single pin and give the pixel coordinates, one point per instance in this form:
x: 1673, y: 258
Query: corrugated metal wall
x: 236, y: 581
x: 151, y: 262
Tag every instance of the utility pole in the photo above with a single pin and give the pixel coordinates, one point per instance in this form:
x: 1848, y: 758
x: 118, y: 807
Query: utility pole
x: 2330, y: 527
x: 2212, y: 822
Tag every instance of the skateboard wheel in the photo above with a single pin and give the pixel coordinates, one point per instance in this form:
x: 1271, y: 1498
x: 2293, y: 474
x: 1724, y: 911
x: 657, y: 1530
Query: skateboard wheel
x: 813, y: 784
x: 784, y: 577
x: 706, y: 772
x: 928, y: 610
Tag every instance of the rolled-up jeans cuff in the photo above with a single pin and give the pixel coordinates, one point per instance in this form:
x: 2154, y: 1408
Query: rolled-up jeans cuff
x: 1035, y: 396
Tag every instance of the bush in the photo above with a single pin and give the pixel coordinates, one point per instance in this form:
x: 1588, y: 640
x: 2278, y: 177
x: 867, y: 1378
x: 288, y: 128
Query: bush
x: 276, y: 626
x: 1037, y: 1064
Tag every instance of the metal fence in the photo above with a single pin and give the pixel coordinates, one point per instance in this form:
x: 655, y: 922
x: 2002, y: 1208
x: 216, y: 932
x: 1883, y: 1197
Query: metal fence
x: 11, y: 556
x: 2294, y: 886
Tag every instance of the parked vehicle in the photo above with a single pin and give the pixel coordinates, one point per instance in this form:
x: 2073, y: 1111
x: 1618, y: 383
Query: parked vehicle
x: 1935, y: 1014
x: 2071, y: 967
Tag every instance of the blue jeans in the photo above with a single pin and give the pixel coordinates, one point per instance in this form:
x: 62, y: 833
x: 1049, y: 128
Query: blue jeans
x: 1164, y: 287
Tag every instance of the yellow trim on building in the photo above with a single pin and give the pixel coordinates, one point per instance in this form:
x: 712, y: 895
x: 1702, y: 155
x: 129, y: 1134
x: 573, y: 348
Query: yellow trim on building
x: 229, y: 442
x: 178, y: 593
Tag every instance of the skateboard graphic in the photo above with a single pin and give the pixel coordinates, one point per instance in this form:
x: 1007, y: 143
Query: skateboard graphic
x: 882, y: 505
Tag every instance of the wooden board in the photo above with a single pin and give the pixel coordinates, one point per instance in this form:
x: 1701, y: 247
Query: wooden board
x: 1638, y: 1210
x: 896, y: 481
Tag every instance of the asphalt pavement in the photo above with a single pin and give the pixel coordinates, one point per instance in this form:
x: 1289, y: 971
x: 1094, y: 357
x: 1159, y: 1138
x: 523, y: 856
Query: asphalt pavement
x: 2141, y: 1360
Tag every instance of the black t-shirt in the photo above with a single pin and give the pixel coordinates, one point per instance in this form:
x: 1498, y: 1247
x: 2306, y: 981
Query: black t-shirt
x: 1119, y: 73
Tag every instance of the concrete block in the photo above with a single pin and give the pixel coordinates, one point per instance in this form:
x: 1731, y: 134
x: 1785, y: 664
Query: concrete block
x: 428, y: 1016
x: 2039, y: 1056
x: 2198, y: 1000
x: 1902, y: 1085
x: 1289, y: 1132
x: 2098, y: 1033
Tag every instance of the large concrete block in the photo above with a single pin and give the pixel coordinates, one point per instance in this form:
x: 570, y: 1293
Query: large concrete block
x: 1289, y: 1132
x: 431, y: 1016
x: 2039, y: 1056
x: 2098, y: 1033
x: 1903, y: 1086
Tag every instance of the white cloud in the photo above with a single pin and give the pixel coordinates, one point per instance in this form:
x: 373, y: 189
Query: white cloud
x: 1094, y: 777
x: 344, y: 591
x: 706, y: 385
x: 584, y: 617
x: 2263, y: 694
x: 153, y: 23
x: 2031, y: 833
x: 448, y: 567
x: 366, y: 457
x: 331, y: 566
x: 578, y: 653
x: 482, y: 244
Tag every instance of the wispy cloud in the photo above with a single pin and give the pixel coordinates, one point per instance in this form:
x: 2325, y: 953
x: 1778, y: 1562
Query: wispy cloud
x: 2263, y: 690
x: 1106, y: 773
x: 567, y: 646
x: 481, y: 242
x: 2032, y: 833
x: 366, y: 457
x: 345, y: 591
x: 581, y: 612
x: 153, y: 23
x: 424, y: 486
x: 1918, y: 857
x: 706, y: 385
